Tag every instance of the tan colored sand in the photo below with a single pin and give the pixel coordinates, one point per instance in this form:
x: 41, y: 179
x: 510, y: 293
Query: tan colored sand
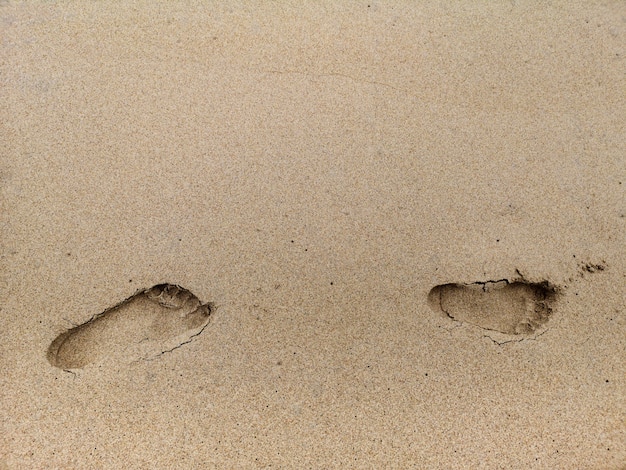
x: 315, y: 172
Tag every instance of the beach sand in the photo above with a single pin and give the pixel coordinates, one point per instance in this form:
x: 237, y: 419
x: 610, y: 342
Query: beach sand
x: 404, y: 223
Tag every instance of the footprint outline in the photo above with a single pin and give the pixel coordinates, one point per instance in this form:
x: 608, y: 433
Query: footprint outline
x: 147, y: 324
x: 514, y: 307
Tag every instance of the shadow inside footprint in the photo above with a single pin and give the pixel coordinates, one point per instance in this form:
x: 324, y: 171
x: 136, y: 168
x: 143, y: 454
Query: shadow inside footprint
x: 149, y: 323
x: 514, y: 308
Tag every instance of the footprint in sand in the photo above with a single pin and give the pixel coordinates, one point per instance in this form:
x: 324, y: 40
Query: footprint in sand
x: 514, y: 308
x: 145, y: 325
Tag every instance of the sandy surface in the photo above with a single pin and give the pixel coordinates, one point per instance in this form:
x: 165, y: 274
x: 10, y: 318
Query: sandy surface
x: 313, y: 172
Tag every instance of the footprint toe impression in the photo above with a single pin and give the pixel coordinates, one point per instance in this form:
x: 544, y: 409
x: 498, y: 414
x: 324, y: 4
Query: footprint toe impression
x: 514, y: 308
x: 150, y: 322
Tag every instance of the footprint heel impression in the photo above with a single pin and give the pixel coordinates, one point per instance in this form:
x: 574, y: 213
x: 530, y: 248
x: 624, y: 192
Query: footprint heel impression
x: 142, y: 325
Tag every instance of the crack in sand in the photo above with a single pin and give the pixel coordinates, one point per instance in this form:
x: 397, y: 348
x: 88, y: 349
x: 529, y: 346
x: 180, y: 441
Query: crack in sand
x: 337, y: 74
x: 515, y: 340
x: 191, y: 338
